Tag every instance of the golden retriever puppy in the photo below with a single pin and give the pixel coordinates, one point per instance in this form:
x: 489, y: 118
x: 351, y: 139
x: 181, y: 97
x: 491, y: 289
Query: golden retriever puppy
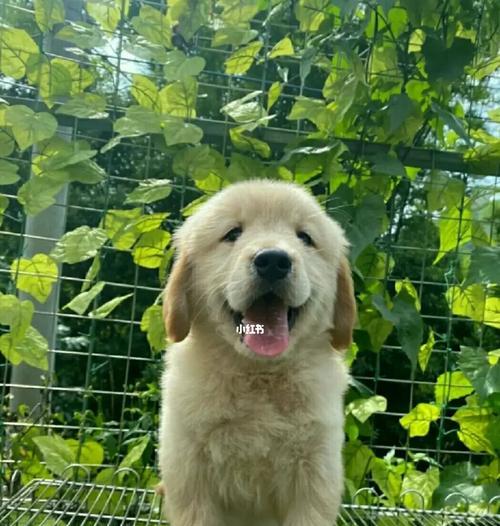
x: 259, y: 301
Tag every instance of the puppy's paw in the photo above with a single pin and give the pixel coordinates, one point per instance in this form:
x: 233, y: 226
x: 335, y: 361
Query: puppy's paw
x: 160, y: 489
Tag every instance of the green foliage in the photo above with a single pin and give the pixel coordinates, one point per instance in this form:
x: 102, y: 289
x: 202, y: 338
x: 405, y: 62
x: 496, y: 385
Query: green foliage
x: 79, y: 245
x: 410, y: 77
x: 418, y: 420
x: 35, y: 276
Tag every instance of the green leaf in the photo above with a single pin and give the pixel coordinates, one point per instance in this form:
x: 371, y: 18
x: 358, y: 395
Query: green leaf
x: 16, y: 47
x: 233, y: 36
x: 153, y: 26
x: 48, y: 13
x: 53, y: 79
x: 311, y: 13
x: 153, y: 325
x: 419, y: 488
x: 246, y: 143
x: 443, y: 191
x: 485, y: 377
x: 92, y: 273
x: 475, y: 302
x: 7, y: 143
x: 16, y: 314
x: 4, y: 204
x: 188, y: 17
x: 176, y: 131
x: 180, y: 67
x: 117, y: 225
x: 149, y: 191
x: 474, y: 421
x: 29, y: 127
x: 388, y: 478
x: 31, y: 348
x: 242, y: 168
x: 315, y: 111
x: 443, y: 63
x: 451, y: 121
x: 450, y: 386
x: 80, y: 303
x: 363, y: 408
x: 370, y: 219
x: 458, y: 482
x: 242, y: 59
x: 149, y: 250
x: 283, y: 48
x: 237, y: 12
x: 357, y: 461
x: 145, y: 92
x: 36, y: 276
x: 8, y: 173
x: 85, y: 106
x: 197, y: 162
x: 56, y: 452
x: 91, y: 452
x: 426, y: 350
x: 455, y: 230
x: 55, y: 154
x: 246, y: 109
x: 407, y: 320
x: 400, y: 107
x: 107, y: 308
x: 106, y: 14
x: 419, y: 419
x: 179, y: 98
x: 147, y: 222
x: 80, y: 244
x: 484, y: 267
x: 137, y: 121
x: 273, y: 94
x: 135, y: 453
x: 38, y: 193
x: 389, y: 164
x: 83, y: 35
x: 409, y: 288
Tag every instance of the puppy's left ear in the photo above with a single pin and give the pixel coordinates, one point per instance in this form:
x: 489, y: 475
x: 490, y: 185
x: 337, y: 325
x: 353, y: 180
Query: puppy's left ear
x: 344, y: 317
x: 176, y: 309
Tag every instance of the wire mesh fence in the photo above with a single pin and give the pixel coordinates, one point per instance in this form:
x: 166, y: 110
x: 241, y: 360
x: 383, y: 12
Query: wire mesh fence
x: 385, y: 110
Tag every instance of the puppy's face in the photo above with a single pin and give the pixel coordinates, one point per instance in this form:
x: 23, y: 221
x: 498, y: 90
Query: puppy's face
x: 262, y: 266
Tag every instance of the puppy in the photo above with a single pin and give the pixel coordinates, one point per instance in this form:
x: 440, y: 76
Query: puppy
x: 259, y: 302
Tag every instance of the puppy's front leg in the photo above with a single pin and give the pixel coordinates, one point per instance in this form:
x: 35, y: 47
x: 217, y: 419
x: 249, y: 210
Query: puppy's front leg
x: 200, y: 511
x: 194, y: 516
x: 317, y: 493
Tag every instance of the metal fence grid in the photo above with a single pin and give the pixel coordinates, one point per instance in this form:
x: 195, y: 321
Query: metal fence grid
x: 73, y: 503
x: 110, y: 372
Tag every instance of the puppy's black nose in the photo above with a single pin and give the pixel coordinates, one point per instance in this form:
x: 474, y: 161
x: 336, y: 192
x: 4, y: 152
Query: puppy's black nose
x: 272, y: 264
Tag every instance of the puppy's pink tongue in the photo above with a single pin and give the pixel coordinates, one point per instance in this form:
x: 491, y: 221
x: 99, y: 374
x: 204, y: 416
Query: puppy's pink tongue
x: 271, y: 313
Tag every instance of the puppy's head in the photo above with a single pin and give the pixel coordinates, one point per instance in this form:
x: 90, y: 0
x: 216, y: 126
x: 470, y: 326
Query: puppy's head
x: 262, y: 267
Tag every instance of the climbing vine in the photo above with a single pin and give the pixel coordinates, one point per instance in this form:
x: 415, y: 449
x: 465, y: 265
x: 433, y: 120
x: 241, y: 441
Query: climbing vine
x: 384, y: 109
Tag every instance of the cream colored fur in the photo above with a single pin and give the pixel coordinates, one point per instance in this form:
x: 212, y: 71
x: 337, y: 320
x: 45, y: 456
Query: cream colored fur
x: 246, y: 440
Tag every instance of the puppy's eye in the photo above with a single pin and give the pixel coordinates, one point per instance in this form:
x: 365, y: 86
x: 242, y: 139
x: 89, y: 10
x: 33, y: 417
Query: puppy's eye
x: 233, y: 234
x: 306, y: 238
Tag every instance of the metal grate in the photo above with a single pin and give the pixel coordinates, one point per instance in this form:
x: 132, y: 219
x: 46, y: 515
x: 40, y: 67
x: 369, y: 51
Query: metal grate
x: 70, y: 503
x: 102, y: 383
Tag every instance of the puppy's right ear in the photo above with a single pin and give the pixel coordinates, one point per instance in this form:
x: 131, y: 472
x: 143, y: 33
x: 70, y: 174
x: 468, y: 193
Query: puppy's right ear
x: 176, y: 310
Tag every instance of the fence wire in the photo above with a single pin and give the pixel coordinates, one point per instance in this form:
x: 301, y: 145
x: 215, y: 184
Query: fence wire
x: 103, y: 379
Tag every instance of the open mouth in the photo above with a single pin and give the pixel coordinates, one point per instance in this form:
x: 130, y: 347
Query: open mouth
x: 265, y: 326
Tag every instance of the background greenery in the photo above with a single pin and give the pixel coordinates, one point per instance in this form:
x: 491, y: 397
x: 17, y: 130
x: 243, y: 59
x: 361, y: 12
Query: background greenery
x: 385, y: 109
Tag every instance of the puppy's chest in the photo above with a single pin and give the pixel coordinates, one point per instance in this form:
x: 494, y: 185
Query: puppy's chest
x: 266, y: 393
x: 260, y: 414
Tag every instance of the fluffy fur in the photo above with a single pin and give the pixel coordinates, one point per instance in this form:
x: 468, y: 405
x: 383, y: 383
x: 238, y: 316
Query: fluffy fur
x: 247, y: 440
